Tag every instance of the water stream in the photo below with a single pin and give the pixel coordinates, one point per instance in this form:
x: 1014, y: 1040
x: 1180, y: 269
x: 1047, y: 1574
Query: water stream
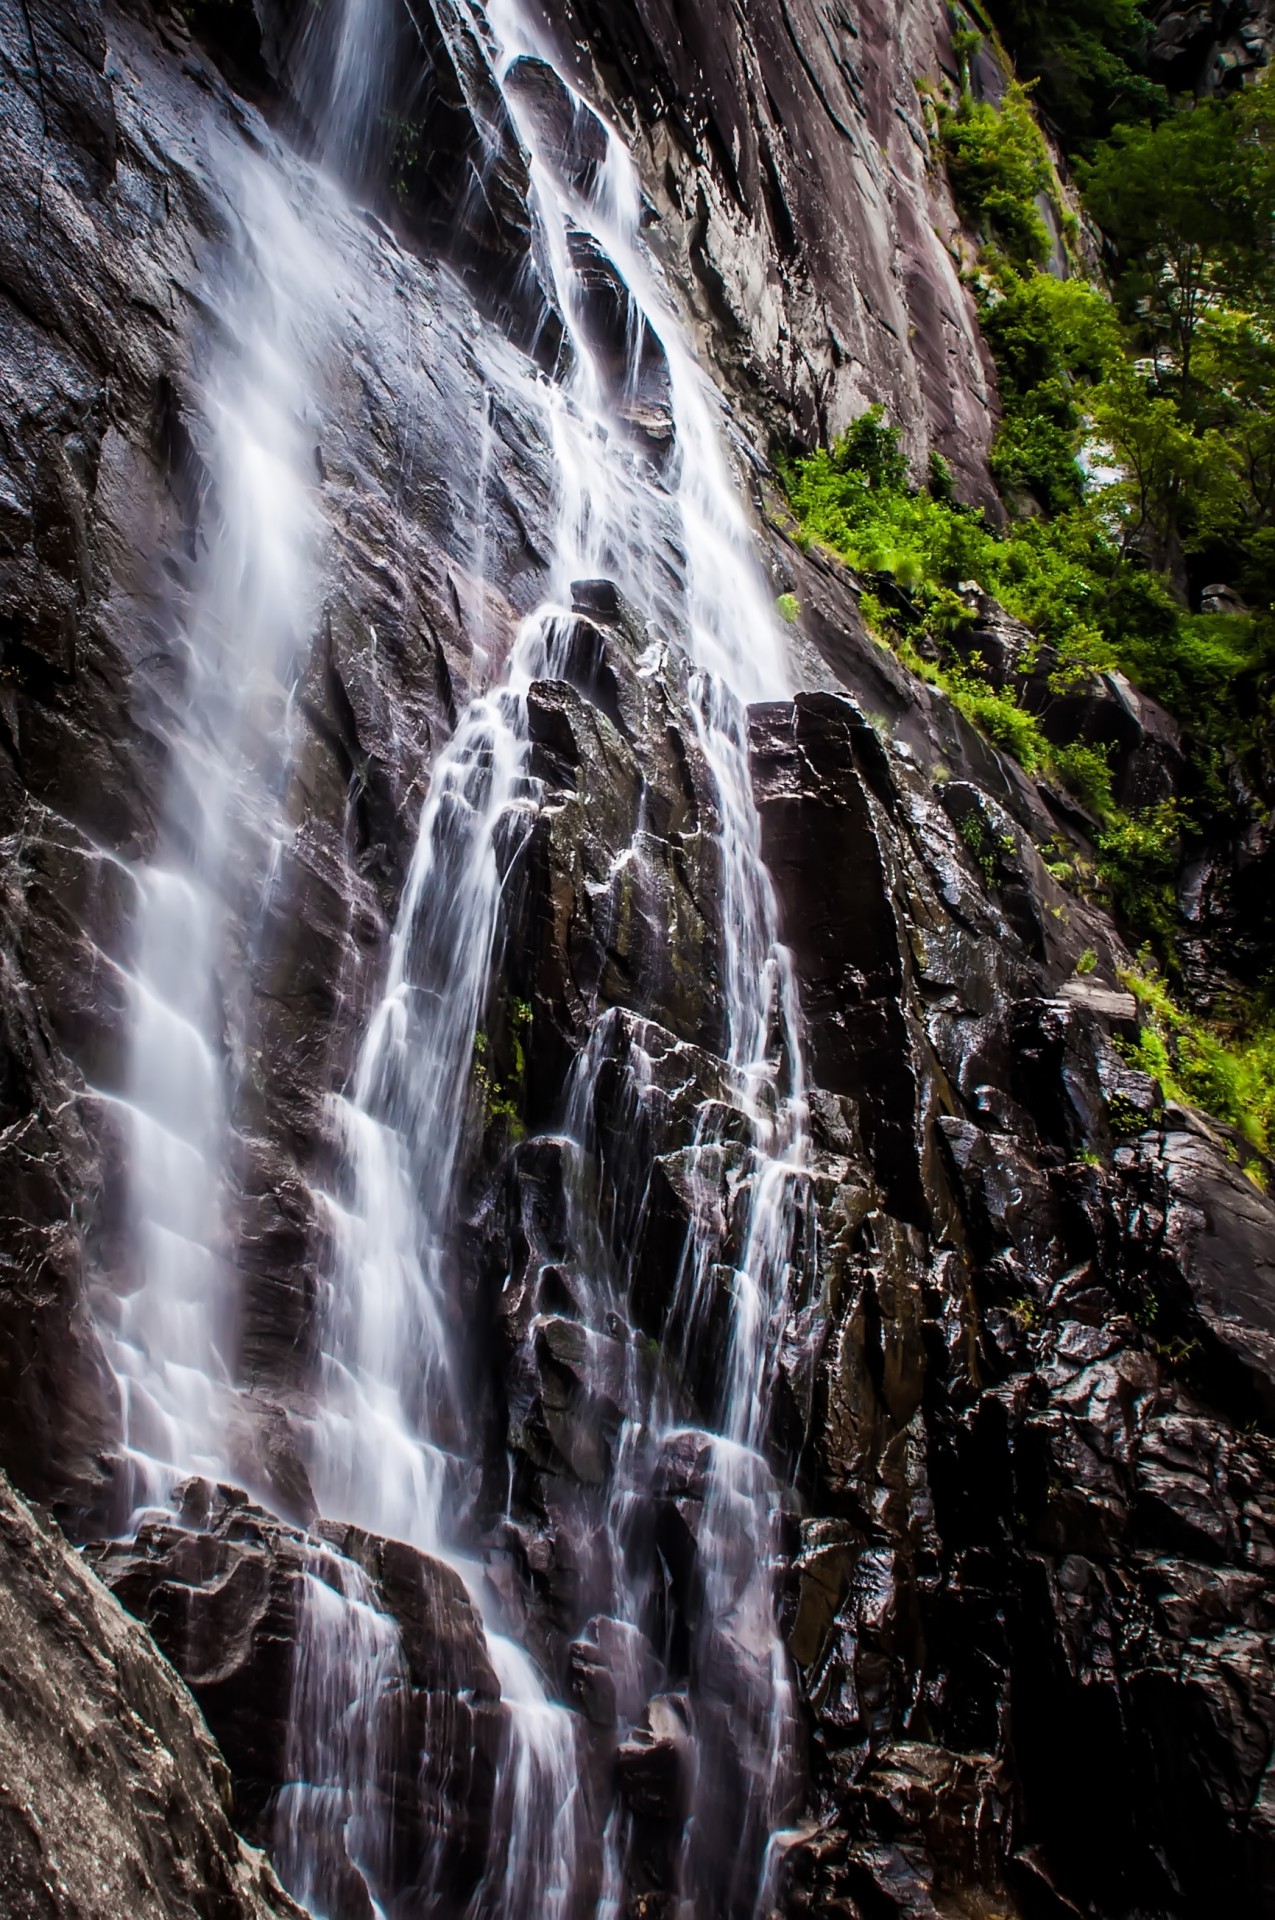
x: 390, y: 1440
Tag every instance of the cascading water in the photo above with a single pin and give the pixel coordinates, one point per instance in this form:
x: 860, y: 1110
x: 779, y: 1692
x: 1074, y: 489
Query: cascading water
x: 388, y: 1419
x: 171, y: 1340
x: 389, y: 1433
x: 227, y: 733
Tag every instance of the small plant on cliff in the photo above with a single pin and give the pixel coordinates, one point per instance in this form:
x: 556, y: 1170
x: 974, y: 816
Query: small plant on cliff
x: 999, y: 166
x: 1228, y: 1069
x: 502, y: 1095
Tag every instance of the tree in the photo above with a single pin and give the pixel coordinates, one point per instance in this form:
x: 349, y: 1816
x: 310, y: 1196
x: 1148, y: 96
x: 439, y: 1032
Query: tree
x: 1086, y: 56
x: 1189, y: 207
x: 1171, y: 478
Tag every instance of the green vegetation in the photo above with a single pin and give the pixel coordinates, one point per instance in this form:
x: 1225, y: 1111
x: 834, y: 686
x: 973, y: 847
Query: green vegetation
x: 1229, y: 1071
x: 1187, y: 206
x: 1000, y: 166
x: 1086, y: 56
x: 502, y: 1095
x: 1136, y: 460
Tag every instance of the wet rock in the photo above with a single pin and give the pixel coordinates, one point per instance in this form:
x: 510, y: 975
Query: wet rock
x: 223, y: 1593
x: 632, y: 359
x: 575, y: 139
x: 1212, y: 1234
x: 115, y: 1799
x: 1139, y: 740
x: 652, y: 1766
x: 994, y: 643
x: 818, y: 810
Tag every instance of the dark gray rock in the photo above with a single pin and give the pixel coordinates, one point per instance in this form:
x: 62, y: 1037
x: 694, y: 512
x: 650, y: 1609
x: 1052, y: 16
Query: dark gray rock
x: 222, y: 1594
x: 115, y: 1799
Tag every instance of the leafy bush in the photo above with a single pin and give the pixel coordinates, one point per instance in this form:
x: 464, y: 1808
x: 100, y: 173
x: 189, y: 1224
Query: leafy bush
x: 999, y: 166
x: 1229, y: 1073
x: 1052, y: 339
x: 1138, y: 859
x: 1188, y: 206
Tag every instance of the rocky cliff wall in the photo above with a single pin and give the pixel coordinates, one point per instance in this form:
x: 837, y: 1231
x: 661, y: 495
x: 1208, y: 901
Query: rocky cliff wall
x: 115, y: 1800
x: 1028, y: 1368
x: 796, y: 199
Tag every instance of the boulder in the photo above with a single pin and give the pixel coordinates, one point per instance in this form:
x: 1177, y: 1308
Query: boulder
x: 115, y: 1799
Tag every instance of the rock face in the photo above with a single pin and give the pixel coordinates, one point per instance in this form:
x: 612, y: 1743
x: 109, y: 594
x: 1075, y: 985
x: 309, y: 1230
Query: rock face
x: 115, y: 1800
x: 1026, y: 1371
x: 796, y: 197
x: 223, y: 1592
x: 1018, y: 1392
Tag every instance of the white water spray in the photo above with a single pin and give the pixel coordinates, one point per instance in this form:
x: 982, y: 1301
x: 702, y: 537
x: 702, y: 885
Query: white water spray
x: 389, y: 1436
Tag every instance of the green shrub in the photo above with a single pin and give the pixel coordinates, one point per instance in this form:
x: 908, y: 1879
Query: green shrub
x: 999, y: 166
x: 1228, y: 1071
x: 1138, y: 860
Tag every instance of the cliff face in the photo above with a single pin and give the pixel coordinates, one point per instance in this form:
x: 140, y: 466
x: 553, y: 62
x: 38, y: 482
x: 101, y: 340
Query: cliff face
x: 115, y: 1799
x: 1023, y: 1371
x: 790, y: 173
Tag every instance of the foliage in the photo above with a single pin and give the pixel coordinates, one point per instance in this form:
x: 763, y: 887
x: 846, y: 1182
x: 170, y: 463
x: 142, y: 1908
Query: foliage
x: 1188, y: 205
x: 1228, y: 1073
x: 999, y: 166
x: 1071, y: 582
x: 1136, y: 456
x: 502, y: 1096
x: 1138, y: 859
x: 1086, y: 57
x: 1052, y: 339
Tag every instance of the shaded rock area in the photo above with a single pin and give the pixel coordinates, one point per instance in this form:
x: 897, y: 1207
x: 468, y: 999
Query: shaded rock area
x: 114, y: 1800
x: 1212, y: 48
x: 1026, y: 1377
x: 1062, y: 1341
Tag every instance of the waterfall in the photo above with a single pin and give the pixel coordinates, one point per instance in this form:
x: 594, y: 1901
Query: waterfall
x: 389, y: 1413
x: 390, y: 1432
x: 226, y: 728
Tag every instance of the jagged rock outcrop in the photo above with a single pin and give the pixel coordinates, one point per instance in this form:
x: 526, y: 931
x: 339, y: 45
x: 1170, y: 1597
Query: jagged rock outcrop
x: 1045, y: 1384
x: 223, y: 1590
x: 114, y: 1798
